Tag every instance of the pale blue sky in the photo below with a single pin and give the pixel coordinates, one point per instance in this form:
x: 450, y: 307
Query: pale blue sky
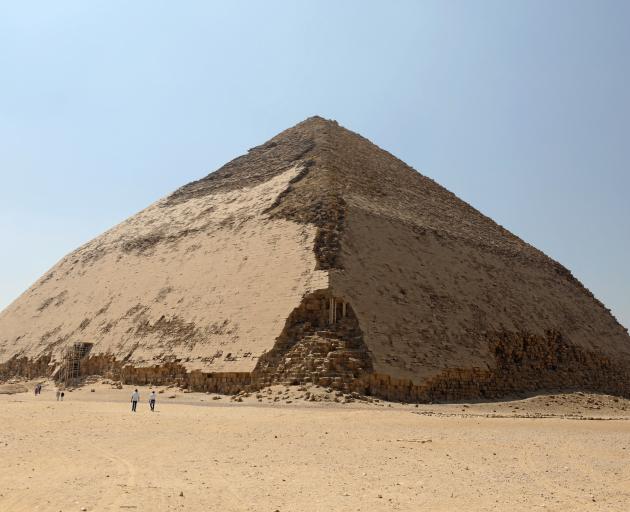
x: 522, y: 108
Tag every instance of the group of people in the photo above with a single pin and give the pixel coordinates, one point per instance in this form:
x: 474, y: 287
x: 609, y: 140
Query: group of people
x: 135, y: 398
x: 38, y: 391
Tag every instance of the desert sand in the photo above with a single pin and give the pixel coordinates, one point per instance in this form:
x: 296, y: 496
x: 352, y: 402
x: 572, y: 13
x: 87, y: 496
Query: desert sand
x: 276, y: 451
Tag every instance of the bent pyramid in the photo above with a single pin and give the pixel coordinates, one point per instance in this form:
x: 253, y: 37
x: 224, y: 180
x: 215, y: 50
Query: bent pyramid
x: 317, y: 257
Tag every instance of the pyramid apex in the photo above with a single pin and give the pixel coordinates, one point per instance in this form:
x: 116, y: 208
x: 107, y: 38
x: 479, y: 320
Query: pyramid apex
x: 317, y: 120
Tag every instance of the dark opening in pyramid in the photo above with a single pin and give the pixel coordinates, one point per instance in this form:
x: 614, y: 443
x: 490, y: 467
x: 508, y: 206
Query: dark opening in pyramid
x: 316, y: 257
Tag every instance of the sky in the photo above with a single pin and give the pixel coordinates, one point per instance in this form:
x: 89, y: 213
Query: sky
x: 521, y: 108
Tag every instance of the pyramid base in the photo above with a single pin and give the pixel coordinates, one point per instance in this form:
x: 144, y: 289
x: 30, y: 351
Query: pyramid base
x: 524, y: 363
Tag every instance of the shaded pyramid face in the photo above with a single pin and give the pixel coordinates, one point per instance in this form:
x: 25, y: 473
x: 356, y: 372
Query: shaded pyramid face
x: 317, y: 257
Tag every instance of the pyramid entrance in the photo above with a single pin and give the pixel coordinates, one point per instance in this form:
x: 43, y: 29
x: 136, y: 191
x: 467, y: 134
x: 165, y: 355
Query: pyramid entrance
x: 70, y: 371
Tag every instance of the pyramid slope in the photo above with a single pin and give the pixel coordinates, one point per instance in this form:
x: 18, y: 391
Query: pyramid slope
x: 317, y: 256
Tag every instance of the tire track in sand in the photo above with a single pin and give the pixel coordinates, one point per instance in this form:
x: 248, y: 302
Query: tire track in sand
x: 118, y: 499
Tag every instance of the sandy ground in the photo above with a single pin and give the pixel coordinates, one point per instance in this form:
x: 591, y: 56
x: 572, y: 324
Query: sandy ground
x: 281, y: 452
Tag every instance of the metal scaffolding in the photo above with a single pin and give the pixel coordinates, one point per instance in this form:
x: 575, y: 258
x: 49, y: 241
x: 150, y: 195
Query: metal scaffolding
x: 72, y: 361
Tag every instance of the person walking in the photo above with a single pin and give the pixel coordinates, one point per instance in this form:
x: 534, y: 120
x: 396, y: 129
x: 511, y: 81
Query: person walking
x: 135, y: 398
x: 152, y: 400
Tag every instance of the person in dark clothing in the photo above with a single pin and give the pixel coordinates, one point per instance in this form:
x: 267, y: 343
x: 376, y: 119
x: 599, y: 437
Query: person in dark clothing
x: 152, y: 400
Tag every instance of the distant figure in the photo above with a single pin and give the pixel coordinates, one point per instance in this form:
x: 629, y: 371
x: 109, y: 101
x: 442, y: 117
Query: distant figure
x: 152, y: 400
x: 62, y: 395
x: 36, y: 389
x: 58, y: 395
x: 135, y: 398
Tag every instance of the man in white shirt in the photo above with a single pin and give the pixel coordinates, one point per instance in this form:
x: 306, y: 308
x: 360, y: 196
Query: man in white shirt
x: 135, y: 398
x: 152, y: 400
